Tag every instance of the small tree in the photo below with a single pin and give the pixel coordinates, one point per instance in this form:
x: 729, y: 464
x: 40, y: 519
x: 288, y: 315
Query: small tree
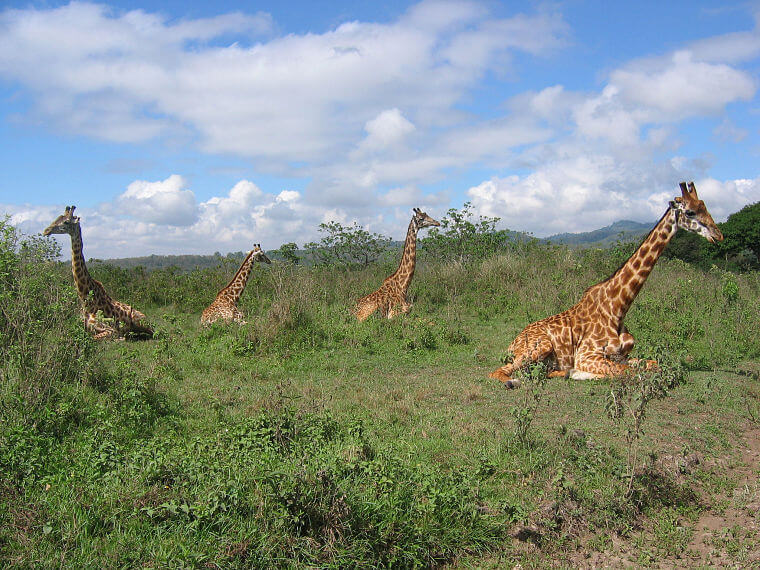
x: 690, y: 248
x: 288, y: 252
x: 741, y: 231
x: 347, y: 245
x: 463, y: 237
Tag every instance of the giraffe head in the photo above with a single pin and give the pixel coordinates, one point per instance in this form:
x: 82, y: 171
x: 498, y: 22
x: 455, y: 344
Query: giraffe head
x: 63, y: 224
x: 422, y: 220
x: 692, y: 214
x: 259, y: 255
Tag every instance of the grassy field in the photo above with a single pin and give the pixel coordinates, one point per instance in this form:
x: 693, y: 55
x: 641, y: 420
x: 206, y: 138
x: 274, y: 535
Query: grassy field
x: 306, y: 439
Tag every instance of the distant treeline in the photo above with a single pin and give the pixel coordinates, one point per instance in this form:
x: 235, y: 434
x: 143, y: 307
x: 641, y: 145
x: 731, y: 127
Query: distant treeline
x: 183, y: 262
x: 462, y: 236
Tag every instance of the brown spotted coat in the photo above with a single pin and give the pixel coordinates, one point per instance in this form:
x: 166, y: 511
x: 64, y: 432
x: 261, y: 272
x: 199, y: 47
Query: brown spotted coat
x: 96, y: 303
x: 589, y: 339
x: 391, y: 296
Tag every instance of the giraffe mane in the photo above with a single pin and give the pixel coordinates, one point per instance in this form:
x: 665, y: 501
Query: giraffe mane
x: 625, y: 261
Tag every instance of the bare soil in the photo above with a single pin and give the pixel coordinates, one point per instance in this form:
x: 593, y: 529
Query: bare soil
x: 727, y: 532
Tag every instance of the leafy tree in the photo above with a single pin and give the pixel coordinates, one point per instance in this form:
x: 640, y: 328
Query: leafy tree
x: 288, y: 252
x: 691, y: 248
x: 741, y: 232
x: 347, y: 245
x: 463, y: 237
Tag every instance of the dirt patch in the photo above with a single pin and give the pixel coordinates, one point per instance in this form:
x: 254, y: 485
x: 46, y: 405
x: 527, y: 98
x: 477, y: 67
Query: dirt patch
x: 727, y: 532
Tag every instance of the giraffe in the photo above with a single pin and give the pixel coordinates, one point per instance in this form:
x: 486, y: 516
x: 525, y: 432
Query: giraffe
x: 589, y: 340
x: 225, y: 306
x: 91, y: 292
x: 393, y: 290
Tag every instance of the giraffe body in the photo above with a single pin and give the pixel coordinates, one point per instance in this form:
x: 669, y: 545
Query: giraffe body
x: 589, y: 339
x: 224, y: 307
x: 391, y: 297
x: 95, y: 301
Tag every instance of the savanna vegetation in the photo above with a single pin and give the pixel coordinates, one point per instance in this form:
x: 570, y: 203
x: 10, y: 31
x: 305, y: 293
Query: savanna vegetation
x: 306, y: 439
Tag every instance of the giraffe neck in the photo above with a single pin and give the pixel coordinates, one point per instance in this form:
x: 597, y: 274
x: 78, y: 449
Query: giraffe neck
x: 405, y: 270
x: 79, y: 269
x: 236, y: 286
x: 627, y: 281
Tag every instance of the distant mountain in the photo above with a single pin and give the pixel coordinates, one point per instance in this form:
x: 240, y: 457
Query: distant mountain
x: 623, y: 230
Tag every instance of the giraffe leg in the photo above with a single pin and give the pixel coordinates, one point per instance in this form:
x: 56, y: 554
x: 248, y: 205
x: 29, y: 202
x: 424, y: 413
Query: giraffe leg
x: 364, y: 308
x: 597, y: 366
x: 626, y: 342
x: 238, y: 317
x: 541, y: 349
x: 101, y: 331
x: 649, y: 365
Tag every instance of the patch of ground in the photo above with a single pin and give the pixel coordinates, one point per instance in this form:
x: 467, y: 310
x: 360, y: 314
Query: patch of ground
x: 726, y: 533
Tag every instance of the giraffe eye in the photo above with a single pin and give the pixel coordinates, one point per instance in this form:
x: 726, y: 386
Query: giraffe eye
x: 690, y: 212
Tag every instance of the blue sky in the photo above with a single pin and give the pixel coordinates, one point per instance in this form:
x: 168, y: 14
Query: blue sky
x: 192, y: 127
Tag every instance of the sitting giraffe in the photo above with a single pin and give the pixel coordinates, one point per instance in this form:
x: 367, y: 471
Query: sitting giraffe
x: 225, y: 306
x: 91, y: 292
x: 393, y: 290
x: 589, y: 340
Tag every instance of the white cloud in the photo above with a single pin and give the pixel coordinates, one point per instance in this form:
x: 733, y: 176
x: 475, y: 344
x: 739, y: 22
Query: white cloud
x: 165, y: 202
x: 131, y: 76
x: 588, y: 192
x: 387, y: 129
x: 682, y: 87
x: 236, y: 205
x: 723, y: 198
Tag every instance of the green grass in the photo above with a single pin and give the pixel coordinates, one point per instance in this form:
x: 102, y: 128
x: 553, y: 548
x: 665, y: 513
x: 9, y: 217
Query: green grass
x: 306, y: 439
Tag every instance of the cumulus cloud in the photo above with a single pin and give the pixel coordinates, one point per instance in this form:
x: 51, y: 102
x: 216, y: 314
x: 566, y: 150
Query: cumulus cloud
x: 682, y: 87
x: 387, y: 129
x: 586, y: 193
x: 166, y: 202
x: 610, y: 155
x: 130, y: 76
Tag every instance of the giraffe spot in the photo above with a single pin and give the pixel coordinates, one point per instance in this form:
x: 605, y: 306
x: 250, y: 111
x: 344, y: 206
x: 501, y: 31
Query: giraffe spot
x: 644, y: 250
x: 636, y: 263
x: 613, y: 292
x: 625, y: 275
x: 649, y: 261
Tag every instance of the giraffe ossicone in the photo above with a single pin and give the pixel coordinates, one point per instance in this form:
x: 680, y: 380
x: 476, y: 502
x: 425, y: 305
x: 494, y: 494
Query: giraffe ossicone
x: 391, y: 296
x: 224, y: 307
x: 94, y: 299
x: 589, y: 339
